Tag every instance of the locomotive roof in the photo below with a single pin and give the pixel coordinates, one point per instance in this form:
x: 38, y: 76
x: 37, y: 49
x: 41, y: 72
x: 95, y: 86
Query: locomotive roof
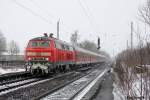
x: 49, y: 38
x: 41, y: 38
x: 87, y: 51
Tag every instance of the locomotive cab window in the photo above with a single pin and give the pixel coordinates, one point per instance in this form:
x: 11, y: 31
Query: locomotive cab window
x: 44, y: 44
x: 39, y: 44
x: 33, y: 44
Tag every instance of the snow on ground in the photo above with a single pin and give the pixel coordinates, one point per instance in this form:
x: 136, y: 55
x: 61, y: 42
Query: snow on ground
x: 135, y: 90
x: 117, y: 91
x: 118, y: 95
x: 4, y: 71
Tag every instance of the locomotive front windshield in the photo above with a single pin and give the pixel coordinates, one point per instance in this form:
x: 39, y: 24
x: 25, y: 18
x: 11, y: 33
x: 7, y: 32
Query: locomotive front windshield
x: 39, y: 44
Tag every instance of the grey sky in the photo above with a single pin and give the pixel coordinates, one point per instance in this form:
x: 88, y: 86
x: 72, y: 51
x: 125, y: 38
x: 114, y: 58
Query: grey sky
x: 109, y: 19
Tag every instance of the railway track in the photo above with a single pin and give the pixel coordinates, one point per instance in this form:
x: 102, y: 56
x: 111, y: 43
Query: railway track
x: 77, y: 88
x: 39, y: 88
x: 9, y: 87
x: 31, y: 90
x: 13, y: 77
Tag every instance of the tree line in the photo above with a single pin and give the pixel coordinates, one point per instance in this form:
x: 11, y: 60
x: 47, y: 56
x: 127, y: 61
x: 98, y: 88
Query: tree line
x: 11, y: 48
x: 140, y: 54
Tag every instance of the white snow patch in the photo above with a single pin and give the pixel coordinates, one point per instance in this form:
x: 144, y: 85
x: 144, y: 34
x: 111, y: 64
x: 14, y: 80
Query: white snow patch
x: 135, y: 90
x: 4, y: 71
x: 118, y: 95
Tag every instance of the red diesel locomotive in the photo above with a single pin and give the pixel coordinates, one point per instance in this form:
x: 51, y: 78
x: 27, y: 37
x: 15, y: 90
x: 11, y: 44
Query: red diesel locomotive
x: 47, y: 54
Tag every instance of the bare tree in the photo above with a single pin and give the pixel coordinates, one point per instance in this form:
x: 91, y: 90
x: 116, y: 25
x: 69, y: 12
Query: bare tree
x: 91, y: 46
x: 86, y: 44
x: 145, y: 12
x: 13, y: 48
x: 131, y: 67
x: 2, y: 43
x: 132, y: 64
x: 74, y: 38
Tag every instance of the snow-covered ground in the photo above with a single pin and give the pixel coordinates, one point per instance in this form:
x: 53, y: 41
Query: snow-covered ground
x: 135, y: 89
x: 118, y: 95
x: 4, y: 71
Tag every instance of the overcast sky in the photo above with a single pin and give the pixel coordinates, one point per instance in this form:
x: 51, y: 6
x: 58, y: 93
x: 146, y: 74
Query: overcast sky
x: 21, y: 20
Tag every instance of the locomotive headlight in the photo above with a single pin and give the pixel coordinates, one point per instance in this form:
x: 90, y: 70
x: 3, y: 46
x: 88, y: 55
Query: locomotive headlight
x: 31, y: 54
x: 45, y: 54
x: 47, y: 59
x: 29, y: 58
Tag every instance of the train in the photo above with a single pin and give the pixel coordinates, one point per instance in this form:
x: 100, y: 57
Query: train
x: 46, y: 54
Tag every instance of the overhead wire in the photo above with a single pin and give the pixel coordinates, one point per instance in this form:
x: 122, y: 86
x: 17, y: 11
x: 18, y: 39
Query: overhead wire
x: 84, y: 10
x: 49, y: 14
x: 35, y: 3
x: 36, y: 14
x: 48, y: 21
x: 87, y: 13
x: 32, y: 12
